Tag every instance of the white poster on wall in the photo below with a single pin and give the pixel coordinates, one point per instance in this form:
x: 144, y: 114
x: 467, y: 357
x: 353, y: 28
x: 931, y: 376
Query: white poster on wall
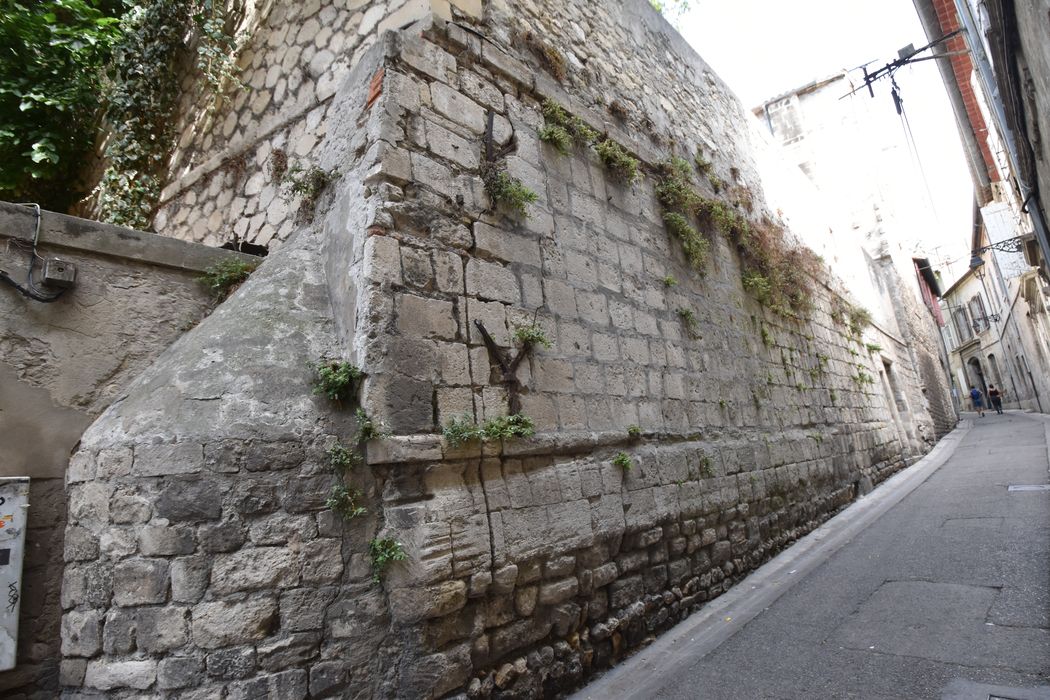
x: 14, y: 504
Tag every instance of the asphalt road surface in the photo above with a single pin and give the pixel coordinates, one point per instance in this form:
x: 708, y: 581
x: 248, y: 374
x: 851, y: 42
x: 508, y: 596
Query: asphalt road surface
x: 936, y: 585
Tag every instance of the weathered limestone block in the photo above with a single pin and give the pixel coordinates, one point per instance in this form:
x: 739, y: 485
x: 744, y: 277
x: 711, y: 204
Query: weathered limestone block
x: 109, y: 675
x: 82, y: 633
x: 140, y: 582
x: 221, y: 623
x: 255, y: 569
x: 414, y: 604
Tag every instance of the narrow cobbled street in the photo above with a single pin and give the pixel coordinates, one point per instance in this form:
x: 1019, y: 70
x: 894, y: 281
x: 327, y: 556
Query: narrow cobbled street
x: 939, y: 590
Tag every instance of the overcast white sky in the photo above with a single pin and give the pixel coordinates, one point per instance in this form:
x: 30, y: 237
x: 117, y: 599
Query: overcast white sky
x: 762, y: 48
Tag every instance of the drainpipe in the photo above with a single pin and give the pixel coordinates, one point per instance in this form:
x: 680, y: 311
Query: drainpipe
x: 991, y: 91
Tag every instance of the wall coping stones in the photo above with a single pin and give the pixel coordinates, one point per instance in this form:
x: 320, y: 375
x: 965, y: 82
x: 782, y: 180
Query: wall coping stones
x: 72, y: 233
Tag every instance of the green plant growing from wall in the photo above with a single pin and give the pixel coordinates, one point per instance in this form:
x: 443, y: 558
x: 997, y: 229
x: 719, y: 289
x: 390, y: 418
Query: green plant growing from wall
x: 384, y: 552
x: 143, y: 96
x: 670, y: 281
x: 306, y: 184
x: 623, y: 461
x: 507, y: 191
x: 722, y: 404
x: 634, y: 432
x: 555, y: 115
x: 461, y: 431
x: 859, y: 319
x: 368, y: 429
x: 767, y: 337
x: 343, y: 459
x: 344, y: 502
x: 694, y: 245
x: 617, y: 161
x: 518, y: 425
x: 862, y: 378
x: 532, y: 335
x: 335, y: 379
x: 689, y: 320
x: 872, y: 348
x: 558, y: 137
x: 706, y: 469
x: 224, y: 277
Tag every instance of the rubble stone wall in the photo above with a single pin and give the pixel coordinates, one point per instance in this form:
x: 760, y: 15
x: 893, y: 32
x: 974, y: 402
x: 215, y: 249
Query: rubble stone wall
x: 61, y: 364
x: 208, y: 562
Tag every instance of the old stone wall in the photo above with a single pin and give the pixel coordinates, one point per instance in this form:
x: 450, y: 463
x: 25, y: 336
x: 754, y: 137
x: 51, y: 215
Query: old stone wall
x: 529, y: 563
x: 61, y: 364
x: 223, y: 184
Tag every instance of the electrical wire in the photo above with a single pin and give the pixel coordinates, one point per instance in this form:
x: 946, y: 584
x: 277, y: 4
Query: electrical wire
x: 30, y: 289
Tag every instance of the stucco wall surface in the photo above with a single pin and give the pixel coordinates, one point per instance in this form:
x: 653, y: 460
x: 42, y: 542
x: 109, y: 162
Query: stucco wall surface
x: 60, y: 365
x: 529, y: 563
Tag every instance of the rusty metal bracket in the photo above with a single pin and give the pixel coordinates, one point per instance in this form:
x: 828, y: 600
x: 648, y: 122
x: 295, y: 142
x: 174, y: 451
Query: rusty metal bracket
x: 508, y: 368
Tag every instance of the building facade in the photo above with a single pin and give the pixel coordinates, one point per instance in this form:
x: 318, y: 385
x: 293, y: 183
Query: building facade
x: 990, y: 61
x: 877, y: 213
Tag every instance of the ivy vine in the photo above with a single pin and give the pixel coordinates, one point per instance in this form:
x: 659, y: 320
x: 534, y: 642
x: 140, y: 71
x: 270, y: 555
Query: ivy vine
x: 149, y: 63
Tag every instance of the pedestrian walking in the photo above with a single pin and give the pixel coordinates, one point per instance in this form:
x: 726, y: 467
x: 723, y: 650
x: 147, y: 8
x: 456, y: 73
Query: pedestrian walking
x: 978, y: 400
x: 996, y: 397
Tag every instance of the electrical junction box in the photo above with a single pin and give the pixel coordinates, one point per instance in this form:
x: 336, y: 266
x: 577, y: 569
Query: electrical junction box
x: 59, y: 273
x: 14, y: 504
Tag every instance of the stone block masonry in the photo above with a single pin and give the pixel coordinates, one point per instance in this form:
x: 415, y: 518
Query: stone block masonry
x: 211, y: 566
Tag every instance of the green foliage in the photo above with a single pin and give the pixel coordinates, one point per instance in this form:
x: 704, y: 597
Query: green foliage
x: 343, y: 459
x: 144, y: 96
x: 531, y: 336
x: 689, y: 319
x: 368, y: 429
x: 694, y: 245
x: 634, y: 432
x: 863, y: 378
x: 463, y: 430
x: 460, y: 431
x: 674, y: 189
x: 216, y: 52
x: 306, y: 185
x: 383, y: 552
x: 706, y: 470
x: 767, y: 337
x: 336, y: 379
x: 722, y: 404
x: 507, y: 191
x: 344, y: 502
x: 53, y: 55
x: 833, y: 396
x: 506, y: 427
x: 623, y: 461
x: 859, y: 318
x: 617, y: 161
x: 222, y: 278
x: 872, y: 348
x: 558, y: 137
x: 555, y: 115
x: 670, y: 281
x: 758, y: 285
